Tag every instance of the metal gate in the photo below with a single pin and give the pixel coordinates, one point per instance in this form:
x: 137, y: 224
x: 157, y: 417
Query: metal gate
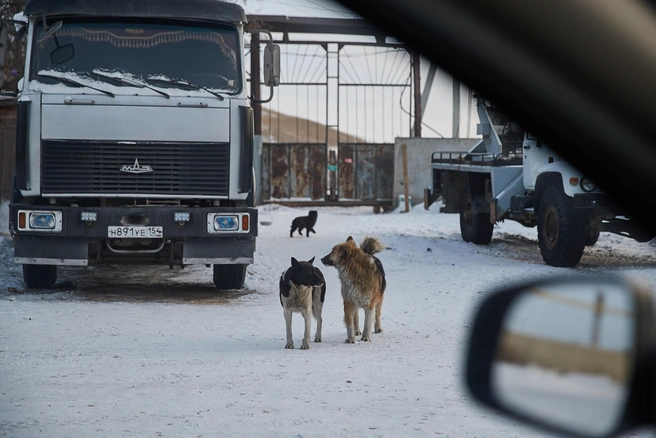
x: 366, y: 171
x: 294, y: 171
x: 343, y: 100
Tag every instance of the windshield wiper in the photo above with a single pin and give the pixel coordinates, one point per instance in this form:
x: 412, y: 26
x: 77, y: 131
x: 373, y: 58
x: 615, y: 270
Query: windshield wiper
x: 75, y: 83
x: 186, y: 84
x: 125, y: 81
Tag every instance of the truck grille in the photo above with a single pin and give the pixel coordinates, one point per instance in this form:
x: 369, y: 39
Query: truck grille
x: 178, y: 169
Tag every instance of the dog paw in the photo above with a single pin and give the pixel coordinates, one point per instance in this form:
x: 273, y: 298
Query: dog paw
x: 358, y: 333
x: 305, y: 346
x: 365, y: 339
x: 379, y: 330
x: 317, y: 339
x: 350, y: 341
x: 290, y: 346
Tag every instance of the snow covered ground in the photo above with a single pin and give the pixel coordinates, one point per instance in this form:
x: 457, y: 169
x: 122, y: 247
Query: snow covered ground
x: 146, y: 352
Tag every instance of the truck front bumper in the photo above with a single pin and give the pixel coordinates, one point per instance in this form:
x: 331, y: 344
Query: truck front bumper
x: 184, y: 235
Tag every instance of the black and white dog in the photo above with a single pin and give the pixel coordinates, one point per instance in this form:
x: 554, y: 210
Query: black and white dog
x: 306, y: 222
x: 302, y: 290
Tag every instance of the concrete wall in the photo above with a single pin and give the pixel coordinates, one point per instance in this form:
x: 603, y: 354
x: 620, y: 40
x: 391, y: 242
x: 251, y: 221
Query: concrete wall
x: 419, y: 156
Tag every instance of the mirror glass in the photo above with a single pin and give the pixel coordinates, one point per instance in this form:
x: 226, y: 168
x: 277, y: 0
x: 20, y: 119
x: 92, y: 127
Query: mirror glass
x: 565, y: 354
x: 272, y: 65
x: 62, y: 54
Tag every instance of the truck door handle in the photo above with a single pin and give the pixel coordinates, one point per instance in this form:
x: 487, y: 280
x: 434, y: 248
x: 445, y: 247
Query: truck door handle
x: 527, y: 147
x: 70, y: 101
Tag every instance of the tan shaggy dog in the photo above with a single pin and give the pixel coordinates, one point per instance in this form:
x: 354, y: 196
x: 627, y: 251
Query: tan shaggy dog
x: 363, y: 284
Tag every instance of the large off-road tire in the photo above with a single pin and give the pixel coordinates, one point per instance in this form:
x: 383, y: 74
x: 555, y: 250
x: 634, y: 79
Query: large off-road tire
x: 39, y: 276
x: 561, y: 229
x: 228, y: 277
x: 474, y: 227
x: 591, y: 238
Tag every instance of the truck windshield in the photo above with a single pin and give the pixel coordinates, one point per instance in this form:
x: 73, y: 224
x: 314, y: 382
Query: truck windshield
x: 206, y: 55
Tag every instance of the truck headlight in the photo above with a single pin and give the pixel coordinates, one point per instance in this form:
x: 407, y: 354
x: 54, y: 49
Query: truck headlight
x: 39, y: 220
x: 587, y: 185
x: 225, y: 223
x: 43, y: 221
x: 228, y: 223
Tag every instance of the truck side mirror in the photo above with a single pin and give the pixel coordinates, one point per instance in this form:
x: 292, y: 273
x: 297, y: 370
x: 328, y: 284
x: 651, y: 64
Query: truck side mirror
x: 4, y: 33
x: 62, y: 54
x: 272, y: 65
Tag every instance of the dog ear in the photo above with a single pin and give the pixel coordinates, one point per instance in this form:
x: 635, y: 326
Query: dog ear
x: 342, y: 253
x: 350, y: 239
x: 294, y: 262
x: 311, y: 260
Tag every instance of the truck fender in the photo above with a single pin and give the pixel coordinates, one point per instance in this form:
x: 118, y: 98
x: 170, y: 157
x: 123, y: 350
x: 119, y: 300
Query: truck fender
x: 546, y: 179
x: 565, y: 173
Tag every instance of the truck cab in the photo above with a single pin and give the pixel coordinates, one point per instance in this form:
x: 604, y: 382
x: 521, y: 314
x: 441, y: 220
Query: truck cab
x: 134, y: 138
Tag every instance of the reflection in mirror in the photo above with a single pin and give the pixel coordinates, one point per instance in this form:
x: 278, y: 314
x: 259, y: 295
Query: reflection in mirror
x: 564, y: 355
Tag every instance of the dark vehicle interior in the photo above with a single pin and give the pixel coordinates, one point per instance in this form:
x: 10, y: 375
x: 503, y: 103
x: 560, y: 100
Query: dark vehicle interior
x: 579, y: 75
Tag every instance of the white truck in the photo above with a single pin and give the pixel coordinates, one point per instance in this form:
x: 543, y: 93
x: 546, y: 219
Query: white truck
x: 511, y: 174
x: 134, y: 137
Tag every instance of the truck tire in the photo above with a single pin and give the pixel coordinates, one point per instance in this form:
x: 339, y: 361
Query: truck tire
x: 591, y: 238
x: 561, y: 229
x: 39, y: 276
x: 228, y: 277
x: 474, y: 227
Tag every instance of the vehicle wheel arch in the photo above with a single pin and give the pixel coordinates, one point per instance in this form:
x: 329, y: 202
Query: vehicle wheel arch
x: 544, y: 181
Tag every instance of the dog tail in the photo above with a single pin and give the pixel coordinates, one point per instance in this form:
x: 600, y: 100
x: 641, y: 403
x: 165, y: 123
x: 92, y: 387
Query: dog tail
x: 371, y: 245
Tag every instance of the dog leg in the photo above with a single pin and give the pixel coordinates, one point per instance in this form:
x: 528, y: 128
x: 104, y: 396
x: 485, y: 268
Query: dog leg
x: 317, y: 307
x: 356, y: 323
x: 288, y: 323
x: 377, y: 327
x: 307, y: 315
x: 349, y: 310
x: 300, y: 231
x: 368, y: 323
x: 291, y: 233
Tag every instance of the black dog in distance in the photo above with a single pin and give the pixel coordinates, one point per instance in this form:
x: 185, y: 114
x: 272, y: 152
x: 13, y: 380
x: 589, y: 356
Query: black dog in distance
x: 304, y: 222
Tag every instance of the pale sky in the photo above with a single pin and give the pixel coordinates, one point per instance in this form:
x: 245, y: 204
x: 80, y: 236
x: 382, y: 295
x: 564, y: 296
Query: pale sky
x: 370, y: 120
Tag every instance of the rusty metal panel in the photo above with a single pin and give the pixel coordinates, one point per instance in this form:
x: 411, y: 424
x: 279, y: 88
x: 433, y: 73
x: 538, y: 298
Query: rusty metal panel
x: 346, y: 171
x: 365, y: 172
x: 280, y: 172
x: 385, y: 171
x: 265, y: 183
x: 318, y: 171
x: 300, y: 180
x: 7, y: 150
x: 294, y: 170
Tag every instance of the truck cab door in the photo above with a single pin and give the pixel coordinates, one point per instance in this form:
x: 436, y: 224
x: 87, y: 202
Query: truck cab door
x: 535, y: 155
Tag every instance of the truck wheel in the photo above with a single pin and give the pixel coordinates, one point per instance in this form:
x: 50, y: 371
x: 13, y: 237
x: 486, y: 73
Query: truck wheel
x: 474, y: 227
x: 561, y: 230
x: 39, y: 276
x: 228, y: 277
x: 591, y: 238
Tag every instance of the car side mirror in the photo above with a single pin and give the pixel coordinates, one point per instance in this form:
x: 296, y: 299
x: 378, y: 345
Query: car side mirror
x: 568, y: 354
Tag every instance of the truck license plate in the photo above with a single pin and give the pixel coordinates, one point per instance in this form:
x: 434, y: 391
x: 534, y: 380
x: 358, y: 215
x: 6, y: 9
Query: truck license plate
x: 135, y: 232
